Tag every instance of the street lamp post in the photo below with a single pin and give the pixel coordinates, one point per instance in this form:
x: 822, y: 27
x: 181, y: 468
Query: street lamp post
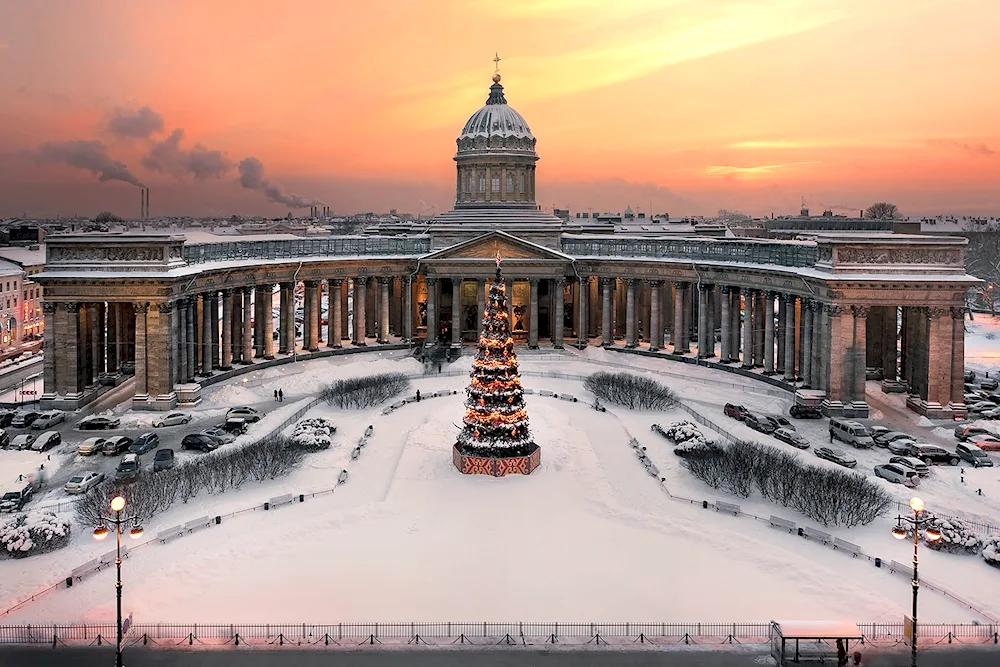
x: 900, y: 533
x: 101, y: 532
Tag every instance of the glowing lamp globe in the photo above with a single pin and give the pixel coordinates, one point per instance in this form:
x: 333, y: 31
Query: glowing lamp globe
x: 916, y: 504
x: 100, y: 532
x: 932, y: 534
x: 117, y: 503
x: 899, y: 533
x: 135, y: 533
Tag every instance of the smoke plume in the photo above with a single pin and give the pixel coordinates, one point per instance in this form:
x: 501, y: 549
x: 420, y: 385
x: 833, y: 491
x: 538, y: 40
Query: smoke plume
x: 140, y: 124
x: 252, y: 178
x: 90, y: 155
x: 202, y: 163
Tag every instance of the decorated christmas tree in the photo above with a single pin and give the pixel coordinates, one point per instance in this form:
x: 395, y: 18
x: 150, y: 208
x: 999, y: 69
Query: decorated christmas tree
x: 495, y: 423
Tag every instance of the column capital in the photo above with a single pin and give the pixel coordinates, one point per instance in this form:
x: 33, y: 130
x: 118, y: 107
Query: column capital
x: 832, y: 309
x: 71, y: 306
x: 654, y: 283
x: 385, y: 280
x: 585, y: 280
x: 957, y: 313
x: 140, y: 306
x: 705, y: 287
x: 630, y: 282
x: 785, y: 297
x: 335, y: 282
x: 770, y: 294
x: 310, y: 284
x: 48, y: 307
x: 860, y: 312
x: 606, y: 282
x: 559, y: 281
x: 533, y: 282
x: 226, y: 292
x: 430, y: 280
x: 935, y: 313
x: 165, y: 306
x: 679, y: 284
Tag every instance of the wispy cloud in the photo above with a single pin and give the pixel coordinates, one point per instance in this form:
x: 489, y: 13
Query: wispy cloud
x: 820, y: 143
x: 976, y: 148
x: 755, y: 171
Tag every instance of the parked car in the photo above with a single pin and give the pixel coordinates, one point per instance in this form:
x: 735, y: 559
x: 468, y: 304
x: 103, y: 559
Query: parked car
x: 47, y: 441
x: 966, y: 431
x: 116, y: 445
x: 805, y: 412
x: 128, y: 468
x: 759, y: 423
x: 98, y: 423
x: 235, y: 426
x: 877, y: 431
x: 903, y: 446
x: 6, y: 417
x: 933, y: 454
x: 981, y: 406
x: 835, y: 455
x: 199, y: 441
x: 4, y: 439
x: 251, y: 415
x: 172, y: 419
x: 16, y: 498
x: 144, y: 443
x: 219, y: 434
x: 24, y: 418
x: 989, y: 384
x: 884, y: 439
x: 735, y: 411
x: 897, y: 474
x: 990, y: 414
x: 913, y: 464
x: 90, y: 446
x: 974, y: 455
x: 48, y: 419
x: 791, y: 437
x: 969, y: 376
x: 163, y: 459
x: 987, y: 443
x: 84, y: 482
x: 974, y: 397
x: 852, y: 432
x: 779, y: 421
x: 22, y: 441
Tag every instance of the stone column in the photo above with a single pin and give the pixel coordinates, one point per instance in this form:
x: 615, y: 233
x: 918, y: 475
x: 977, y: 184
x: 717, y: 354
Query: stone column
x: 102, y: 341
x: 748, y: 327
x: 227, y: 329
x: 759, y: 327
x: 789, y: 341
x: 582, y: 318
x: 141, y: 348
x: 823, y: 342
x: 841, y: 334
x: 283, y: 298
x: 655, y: 326
x: 237, y: 339
x: 52, y: 334
x: 677, y: 337
x: 779, y: 333
x: 858, y: 351
x: 807, y: 340
x: 706, y: 344
x: 268, y: 322
x: 159, y: 383
x: 383, y: 320
x: 408, y: 308
x: 734, y: 327
x: 533, y: 314
x: 480, y: 305
x: 371, y: 298
x: 308, y: 295
x: 206, y: 334
x: 312, y: 306
x: 346, y: 332
x: 890, y: 343
x: 333, y: 312
x: 939, y: 357
x: 247, y: 356
x: 958, y: 359
x: 607, y: 333
x: 182, y: 345
x: 318, y: 312
x: 214, y: 316
x: 431, y: 339
x: 630, y: 337
x: 112, y: 337
x: 560, y: 319
x: 456, y: 312
x: 725, y: 329
x: 191, y: 338
x: 769, y: 333
x: 509, y: 287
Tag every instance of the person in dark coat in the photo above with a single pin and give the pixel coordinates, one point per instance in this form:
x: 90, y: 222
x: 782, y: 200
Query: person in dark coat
x: 281, y: 396
x: 275, y: 395
x: 841, y: 653
x: 418, y: 395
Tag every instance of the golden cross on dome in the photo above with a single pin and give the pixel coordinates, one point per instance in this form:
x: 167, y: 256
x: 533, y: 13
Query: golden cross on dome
x: 496, y: 61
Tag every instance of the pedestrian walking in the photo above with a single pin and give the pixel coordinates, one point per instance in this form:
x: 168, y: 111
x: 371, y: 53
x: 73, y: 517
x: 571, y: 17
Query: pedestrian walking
x: 418, y: 395
x: 841, y: 653
x: 439, y: 367
x: 857, y: 660
x: 275, y: 395
x: 831, y: 436
x: 281, y: 396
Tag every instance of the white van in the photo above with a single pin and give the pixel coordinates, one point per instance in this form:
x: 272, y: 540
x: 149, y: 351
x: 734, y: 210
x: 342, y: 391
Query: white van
x: 852, y: 432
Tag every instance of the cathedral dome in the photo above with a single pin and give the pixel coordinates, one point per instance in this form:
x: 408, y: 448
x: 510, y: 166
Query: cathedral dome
x: 496, y: 125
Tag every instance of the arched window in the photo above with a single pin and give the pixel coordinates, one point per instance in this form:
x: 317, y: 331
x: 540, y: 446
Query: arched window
x: 495, y: 185
x: 510, y: 182
x: 482, y: 182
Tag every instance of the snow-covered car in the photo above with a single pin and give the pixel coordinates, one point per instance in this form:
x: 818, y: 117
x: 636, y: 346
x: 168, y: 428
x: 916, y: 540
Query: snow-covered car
x: 877, y: 431
x: 778, y: 421
x: 990, y: 414
x: 990, y: 384
x: 759, y: 423
x: 128, y: 468
x: 836, y: 456
x: 16, y: 498
x: 974, y: 455
x: 146, y: 442
x: 98, y: 423
x: 22, y: 441
x: 791, y: 437
x: 84, y: 482
x: 902, y: 447
x: 222, y: 436
x: 966, y: 431
x: 163, y: 459
x: 47, y: 441
x: 987, y: 443
x: 884, y: 439
x: 805, y: 412
x: 116, y: 445
x: 912, y: 463
x: 90, y: 446
x: 48, y: 420
x: 24, y: 418
x: 897, y: 474
x: 172, y: 419
x: 200, y: 442
x: 249, y: 414
x: 982, y: 406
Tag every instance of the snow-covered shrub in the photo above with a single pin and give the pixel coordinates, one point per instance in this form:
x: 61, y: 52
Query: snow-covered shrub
x: 956, y: 537
x: 313, y: 433
x: 991, y: 551
x: 364, y: 392
x: 832, y: 497
x: 693, y: 446
x: 33, y: 533
x: 632, y: 391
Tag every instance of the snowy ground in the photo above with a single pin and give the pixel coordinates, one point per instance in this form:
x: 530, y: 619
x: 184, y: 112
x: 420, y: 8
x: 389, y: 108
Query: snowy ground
x: 588, y: 536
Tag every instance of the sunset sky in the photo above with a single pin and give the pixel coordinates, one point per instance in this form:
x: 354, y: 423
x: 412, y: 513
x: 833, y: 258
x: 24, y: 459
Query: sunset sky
x: 687, y: 106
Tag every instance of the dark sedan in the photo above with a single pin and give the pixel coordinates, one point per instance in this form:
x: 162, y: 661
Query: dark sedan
x: 791, y: 437
x: 199, y: 441
x: 98, y: 423
x: 836, y: 456
x: 933, y: 454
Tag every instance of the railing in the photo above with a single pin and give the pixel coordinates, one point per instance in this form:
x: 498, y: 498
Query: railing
x: 197, y: 253
x: 781, y: 253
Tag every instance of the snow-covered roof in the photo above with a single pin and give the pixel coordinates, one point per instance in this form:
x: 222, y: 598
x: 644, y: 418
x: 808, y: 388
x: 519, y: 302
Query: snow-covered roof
x: 818, y: 629
x: 24, y: 256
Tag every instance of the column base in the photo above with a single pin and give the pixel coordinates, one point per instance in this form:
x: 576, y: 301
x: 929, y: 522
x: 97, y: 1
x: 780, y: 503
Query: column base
x: 268, y: 357
x: 653, y: 348
x: 363, y: 344
x: 894, y: 386
x: 932, y: 409
x: 225, y: 368
x: 557, y: 346
x: 337, y: 346
x: 188, y: 393
x: 532, y: 347
x: 383, y: 342
x: 631, y: 346
x: 312, y: 349
x: 282, y: 350
x: 959, y: 410
x: 580, y: 345
x: 160, y: 403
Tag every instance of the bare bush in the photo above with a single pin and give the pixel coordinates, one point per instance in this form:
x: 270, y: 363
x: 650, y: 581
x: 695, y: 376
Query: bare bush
x: 632, y: 391
x: 831, y: 497
x: 217, y: 472
x: 364, y: 392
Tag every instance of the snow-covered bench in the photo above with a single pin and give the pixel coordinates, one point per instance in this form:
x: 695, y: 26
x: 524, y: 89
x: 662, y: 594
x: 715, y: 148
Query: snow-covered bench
x: 726, y: 507
x: 342, y: 477
x: 545, y: 392
x: 896, y: 566
x: 200, y: 522
x: 110, y: 557
x: 819, y: 535
x: 778, y: 522
x: 651, y: 468
x: 85, y: 569
x: 170, y: 533
x: 847, y: 546
x: 567, y: 397
x: 279, y: 500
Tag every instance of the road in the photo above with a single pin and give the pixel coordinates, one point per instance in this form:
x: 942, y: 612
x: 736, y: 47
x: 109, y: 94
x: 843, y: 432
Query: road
x: 512, y: 657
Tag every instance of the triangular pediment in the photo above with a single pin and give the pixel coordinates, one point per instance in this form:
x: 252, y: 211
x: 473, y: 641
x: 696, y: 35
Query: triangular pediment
x: 488, y: 245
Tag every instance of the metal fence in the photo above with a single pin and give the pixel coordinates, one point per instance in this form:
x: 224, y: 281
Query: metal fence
x: 391, y: 246
x: 780, y: 253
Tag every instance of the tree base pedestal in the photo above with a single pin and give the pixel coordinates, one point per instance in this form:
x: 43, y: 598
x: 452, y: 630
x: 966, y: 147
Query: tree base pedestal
x: 497, y: 467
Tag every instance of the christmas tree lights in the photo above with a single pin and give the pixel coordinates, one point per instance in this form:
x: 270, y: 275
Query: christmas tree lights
x: 495, y: 423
